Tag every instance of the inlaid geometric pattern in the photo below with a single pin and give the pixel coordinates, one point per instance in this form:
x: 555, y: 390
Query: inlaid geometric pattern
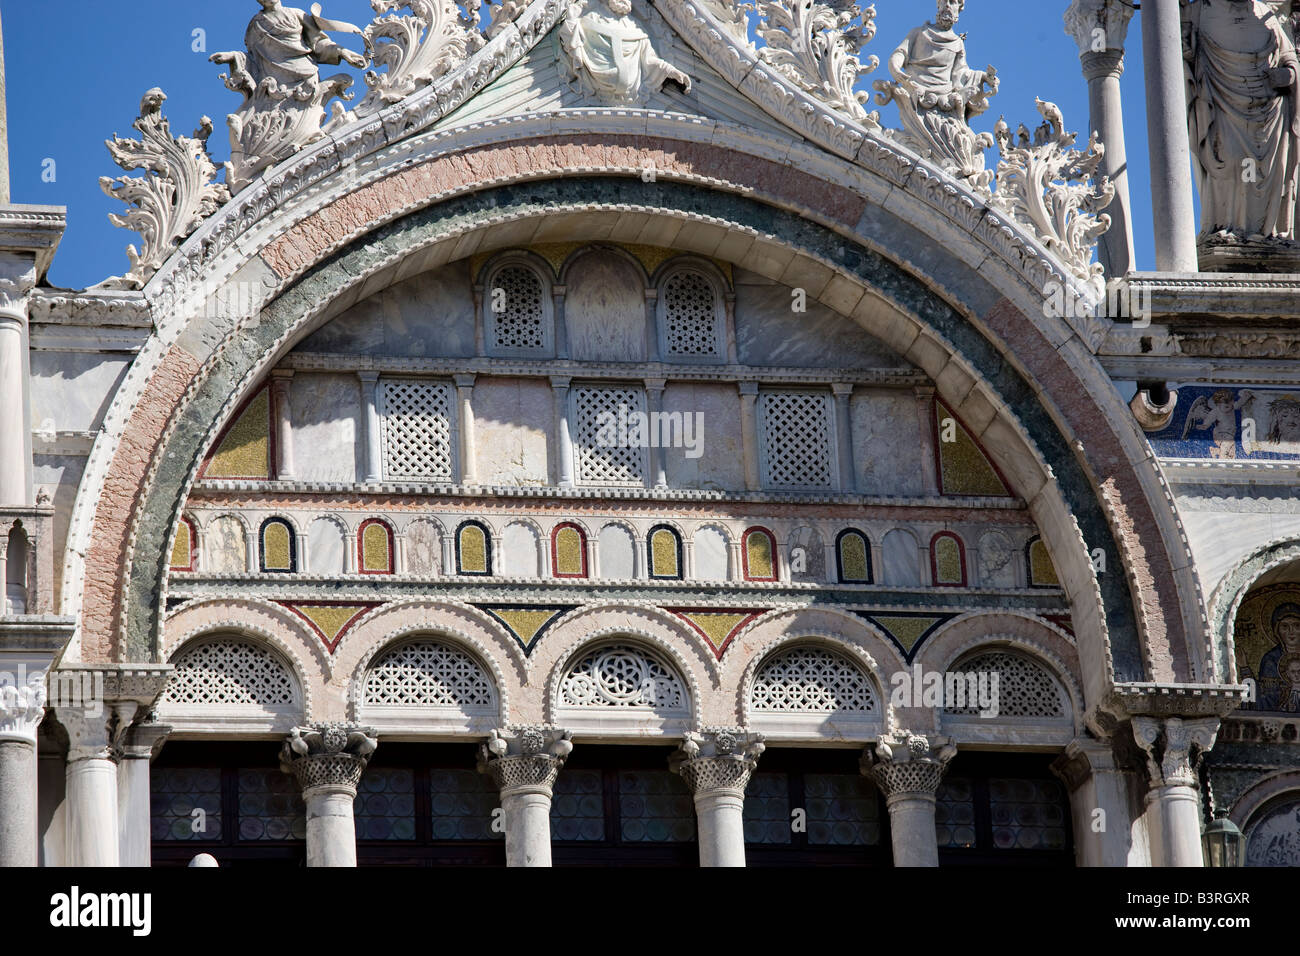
x: 691, y: 315
x: 811, y: 680
x: 760, y: 555
x: 229, y: 672
x: 416, y: 417
x: 963, y: 467
x: 1024, y: 688
x: 949, y: 564
x: 605, y: 454
x: 665, y: 548
x: 429, y: 673
x: 795, y: 437
x: 526, y: 624
x: 623, y: 676
x: 330, y: 621
x: 278, y: 546
x: 854, y: 558
x: 907, y: 630
x: 183, y: 548
x: 376, y: 548
x: 518, y: 311
x: 245, y: 449
x: 717, y: 627
x: 570, y: 552
x: 1042, y: 573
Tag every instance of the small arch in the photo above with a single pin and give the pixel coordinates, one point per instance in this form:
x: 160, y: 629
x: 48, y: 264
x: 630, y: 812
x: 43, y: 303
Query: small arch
x: 16, y: 595
x: 853, y: 557
x: 326, y: 545
x: 229, y: 678
x: 622, y: 683
x: 997, y: 564
x: 518, y: 311
x: 616, y: 551
x: 184, y: 546
x: 473, y: 549
x: 568, y: 551
x: 901, y: 559
x: 711, y: 550
x: 375, y: 550
x: 691, y: 312
x: 1273, y: 832
x: 806, y: 555
x: 664, y: 553
x: 521, y: 550
x: 1040, y: 571
x: 427, y: 672
x: 758, y: 550
x: 423, y: 553
x: 225, y: 545
x: 1026, y: 688
x: 947, y: 560
x: 278, y: 553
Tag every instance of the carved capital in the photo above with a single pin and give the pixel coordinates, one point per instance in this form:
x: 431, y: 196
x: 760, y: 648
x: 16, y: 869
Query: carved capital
x: 1105, y: 63
x: 143, y: 741
x: 523, y: 759
x: 1173, y: 747
x: 22, y: 707
x: 718, y: 759
x: 1098, y: 23
x: 96, y: 732
x: 328, y: 755
x: 904, y: 762
x: 17, y: 279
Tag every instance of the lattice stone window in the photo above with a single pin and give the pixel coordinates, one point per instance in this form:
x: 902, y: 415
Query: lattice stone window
x: 690, y: 317
x: 516, y: 311
x: 230, y: 672
x: 416, y: 429
x: 814, y: 680
x: 1025, y: 689
x: 609, y: 450
x: 429, y: 674
x: 796, y: 439
x: 624, y: 676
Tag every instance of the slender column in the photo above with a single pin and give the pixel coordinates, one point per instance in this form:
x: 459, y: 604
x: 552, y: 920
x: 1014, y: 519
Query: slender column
x: 907, y: 768
x: 370, y: 426
x: 844, y: 435
x: 717, y: 767
x: 654, y: 390
x: 134, y: 813
x: 21, y: 708
x: 468, y: 448
x: 563, y: 439
x: 929, y: 453
x: 1099, y: 27
x: 1173, y: 747
x: 1099, y: 802
x: 732, y: 352
x: 523, y: 763
x: 480, y: 336
x: 558, y: 293
x: 281, y: 380
x: 17, y: 277
x: 652, y: 352
x: 91, y: 803
x: 1167, y: 140
x: 327, y: 760
x: 749, y: 433
x: 4, y: 573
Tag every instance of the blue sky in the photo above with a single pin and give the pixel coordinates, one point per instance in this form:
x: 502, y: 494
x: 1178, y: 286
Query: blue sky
x: 75, y: 82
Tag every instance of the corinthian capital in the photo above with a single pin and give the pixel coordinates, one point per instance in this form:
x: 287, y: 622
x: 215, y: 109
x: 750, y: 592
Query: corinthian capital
x: 525, y: 758
x: 1174, y: 746
x: 17, y: 279
x: 718, y: 759
x: 1098, y: 25
x: 21, y: 708
x: 904, y: 762
x: 328, y: 755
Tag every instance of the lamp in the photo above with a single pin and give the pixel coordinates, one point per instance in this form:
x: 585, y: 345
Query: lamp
x: 1223, y: 842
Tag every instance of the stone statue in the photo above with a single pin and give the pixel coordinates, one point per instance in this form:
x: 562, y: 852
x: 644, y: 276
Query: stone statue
x: 1243, y: 98
x: 611, y: 56
x: 938, y: 95
x: 284, y: 95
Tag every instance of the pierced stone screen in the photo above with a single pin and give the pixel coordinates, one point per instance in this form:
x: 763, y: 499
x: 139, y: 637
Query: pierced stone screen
x: 231, y: 673
x: 795, y: 433
x: 811, y: 680
x: 691, y: 316
x: 516, y: 303
x: 608, y: 452
x: 416, y: 430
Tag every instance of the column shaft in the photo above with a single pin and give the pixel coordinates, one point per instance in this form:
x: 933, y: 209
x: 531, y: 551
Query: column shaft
x: 92, y: 812
x: 281, y: 382
x: 14, y: 486
x: 1106, y: 110
x: 721, y: 826
x: 370, y: 426
x: 911, y: 829
x: 528, y: 826
x: 18, y: 832
x: 331, y: 831
x: 1176, y: 826
x: 133, y: 811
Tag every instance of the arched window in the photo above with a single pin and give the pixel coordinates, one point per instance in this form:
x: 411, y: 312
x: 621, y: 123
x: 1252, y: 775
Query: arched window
x: 15, y: 577
x: 1042, y: 573
x: 279, y: 547
x: 626, y: 677
x: 568, y: 551
x: 811, y: 679
x: 231, y: 674
x: 759, y: 550
x: 473, y: 549
x: 691, y: 317
x: 664, y: 553
x: 375, y: 548
x: 517, y: 311
x: 853, y: 557
x: 948, y: 560
x: 1024, y: 687
x: 429, y: 674
x: 183, y: 546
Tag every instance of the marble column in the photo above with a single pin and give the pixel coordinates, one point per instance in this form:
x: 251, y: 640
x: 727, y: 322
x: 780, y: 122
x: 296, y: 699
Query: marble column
x: 370, y: 426
x: 468, y: 446
x: 523, y: 763
x: 749, y: 433
x: 1099, y: 28
x: 328, y: 760
x: 844, y: 436
x: 134, y: 813
x: 22, y: 706
x: 654, y: 390
x: 92, y: 815
x: 1173, y: 747
x: 1100, y: 804
x: 1167, y: 140
x: 925, y: 410
x: 17, y: 277
x: 716, y: 767
x: 563, y: 438
x: 908, y: 768
x: 281, y: 382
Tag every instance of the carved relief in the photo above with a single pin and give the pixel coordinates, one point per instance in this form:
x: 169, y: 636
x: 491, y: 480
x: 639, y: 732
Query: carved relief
x: 417, y: 47
x: 609, y: 56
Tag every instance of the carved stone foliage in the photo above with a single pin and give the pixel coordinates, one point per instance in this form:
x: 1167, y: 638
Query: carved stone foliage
x: 1051, y: 187
x: 904, y: 762
x: 522, y: 758
x: 284, y: 94
x: 938, y: 95
x: 176, y: 193
x: 610, y: 57
x: 328, y: 754
x: 416, y: 47
x: 817, y: 46
x: 21, y: 708
x: 718, y: 759
x: 1173, y: 747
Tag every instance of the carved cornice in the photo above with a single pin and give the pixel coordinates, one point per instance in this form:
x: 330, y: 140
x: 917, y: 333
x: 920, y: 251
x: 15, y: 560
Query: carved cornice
x: 525, y: 759
x: 329, y: 756
x: 34, y: 230
x: 719, y: 760
x: 907, y: 763
x: 91, y: 308
x: 1173, y: 747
